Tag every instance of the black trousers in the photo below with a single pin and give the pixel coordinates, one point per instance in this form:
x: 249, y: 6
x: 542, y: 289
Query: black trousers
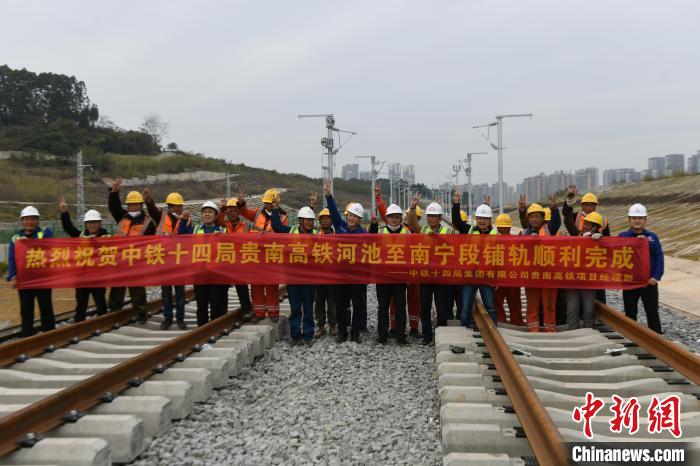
x: 137, y: 295
x: 344, y: 295
x: 443, y: 299
x: 82, y: 295
x: 26, y: 310
x: 243, y: 293
x: 650, y: 300
x: 214, y: 297
x: 385, y: 293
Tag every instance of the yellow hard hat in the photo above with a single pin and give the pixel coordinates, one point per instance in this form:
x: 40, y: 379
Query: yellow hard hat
x: 594, y: 217
x: 134, y: 197
x: 324, y: 212
x: 175, y: 199
x: 271, y: 195
x: 589, y: 197
x: 347, y: 207
x: 547, y: 214
x: 534, y: 208
x: 503, y: 221
x: 233, y: 202
x: 463, y: 215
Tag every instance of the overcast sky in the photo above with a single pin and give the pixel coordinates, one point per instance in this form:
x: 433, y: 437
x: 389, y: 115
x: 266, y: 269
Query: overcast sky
x: 610, y: 83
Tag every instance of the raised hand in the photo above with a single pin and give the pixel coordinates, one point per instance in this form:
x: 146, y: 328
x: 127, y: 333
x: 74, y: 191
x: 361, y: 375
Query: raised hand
x: 326, y: 188
x: 373, y: 216
x: 313, y: 198
x: 222, y: 204
x: 571, y: 191
x: 117, y: 184
x: 553, y: 201
x: 415, y: 199
x: 522, y: 202
x: 377, y: 190
x: 487, y: 199
x: 62, y: 206
x: 185, y: 215
x: 457, y: 198
x: 147, y: 194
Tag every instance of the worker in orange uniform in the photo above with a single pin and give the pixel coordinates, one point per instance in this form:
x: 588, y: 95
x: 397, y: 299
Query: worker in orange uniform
x: 536, y: 296
x: 130, y: 222
x: 511, y: 294
x: 168, y: 222
x: 324, y: 295
x: 229, y: 217
x: 265, y: 297
x: 412, y: 289
x: 573, y: 221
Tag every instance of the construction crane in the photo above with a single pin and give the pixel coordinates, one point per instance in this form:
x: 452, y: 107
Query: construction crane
x: 328, y: 165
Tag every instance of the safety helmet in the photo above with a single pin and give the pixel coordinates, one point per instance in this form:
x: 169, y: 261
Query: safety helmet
x: 324, y: 212
x: 393, y: 209
x: 175, y: 199
x: 233, y: 202
x: 637, y: 210
x: 589, y: 197
x: 92, y: 216
x: 547, y: 214
x: 211, y: 205
x: 463, y: 215
x: 483, y: 211
x: 433, y: 209
x: 504, y: 221
x: 535, y: 208
x: 29, y: 211
x: 306, y: 212
x: 271, y: 195
x: 134, y: 197
x: 356, y: 209
x: 347, y: 207
x: 594, y: 217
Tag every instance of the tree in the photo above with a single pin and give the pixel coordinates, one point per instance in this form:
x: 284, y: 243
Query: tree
x: 155, y: 127
x: 172, y: 146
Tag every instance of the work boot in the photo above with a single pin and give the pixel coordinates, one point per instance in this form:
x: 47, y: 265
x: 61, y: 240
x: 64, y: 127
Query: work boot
x: 414, y: 333
x: 181, y: 325
x: 320, y: 332
x: 308, y: 343
x: 341, y: 338
x: 167, y: 322
x: 143, y: 317
x: 355, y: 338
x: 295, y: 342
x: 426, y: 342
x: 382, y: 340
x: 392, y: 333
x: 255, y: 320
x: 334, y: 330
x: 401, y: 340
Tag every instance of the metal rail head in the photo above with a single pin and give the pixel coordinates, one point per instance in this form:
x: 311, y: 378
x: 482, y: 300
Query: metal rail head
x: 542, y: 434
x: 677, y: 357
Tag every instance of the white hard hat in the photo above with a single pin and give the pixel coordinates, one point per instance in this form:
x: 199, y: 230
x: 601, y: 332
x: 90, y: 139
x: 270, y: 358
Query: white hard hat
x: 92, y: 216
x: 306, y: 212
x: 637, y: 210
x: 356, y: 209
x: 394, y: 209
x: 433, y: 209
x: 29, y: 211
x: 211, y: 205
x: 483, y: 211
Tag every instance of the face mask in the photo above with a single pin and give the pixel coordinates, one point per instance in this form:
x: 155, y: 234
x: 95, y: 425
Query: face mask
x: 134, y: 214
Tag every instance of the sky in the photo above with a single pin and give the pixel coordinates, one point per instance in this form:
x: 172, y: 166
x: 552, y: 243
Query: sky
x: 610, y: 83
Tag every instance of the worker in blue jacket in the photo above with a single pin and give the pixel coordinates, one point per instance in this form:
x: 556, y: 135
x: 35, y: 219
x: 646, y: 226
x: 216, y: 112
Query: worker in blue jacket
x: 637, y: 218
x: 30, y: 230
x: 347, y: 293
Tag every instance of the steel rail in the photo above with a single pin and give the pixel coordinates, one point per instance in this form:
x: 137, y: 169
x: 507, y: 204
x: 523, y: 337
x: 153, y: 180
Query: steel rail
x: 542, y: 434
x: 675, y: 356
x: 67, y: 334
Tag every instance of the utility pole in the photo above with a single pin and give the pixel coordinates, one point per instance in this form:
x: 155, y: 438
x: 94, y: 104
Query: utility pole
x: 456, y: 169
x: 373, y: 174
x: 499, y: 120
x: 229, y: 175
x: 328, y: 143
x: 468, y: 172
x: 80, y: 195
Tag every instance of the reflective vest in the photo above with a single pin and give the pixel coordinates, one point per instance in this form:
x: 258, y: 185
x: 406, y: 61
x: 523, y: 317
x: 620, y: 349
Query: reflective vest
x: 39, y: 235
x: 385, y: 230
x: 444, y: 230
x: 475, y: 231
x: 239, y: 228
x: 166, y: 226
x: 126, y: 227
x: 262, y: 223
x: 199, y: 229
x: 579, y: 222
x: 295, y: 230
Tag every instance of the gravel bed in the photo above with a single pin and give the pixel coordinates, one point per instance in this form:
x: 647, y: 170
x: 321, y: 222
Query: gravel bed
x: 328, y: 404
x: 675, y: 325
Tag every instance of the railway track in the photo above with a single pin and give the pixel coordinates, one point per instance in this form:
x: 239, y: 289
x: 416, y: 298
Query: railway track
x: 93, y: 392
x: 508, y: 398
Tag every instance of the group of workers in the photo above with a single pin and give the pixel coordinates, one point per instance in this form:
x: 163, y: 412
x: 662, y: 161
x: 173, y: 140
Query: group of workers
x: 343, y: 307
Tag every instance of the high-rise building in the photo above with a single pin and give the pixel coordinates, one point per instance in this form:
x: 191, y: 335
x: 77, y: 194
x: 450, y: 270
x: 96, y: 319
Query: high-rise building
x: 394, y: 171
x: 620, y: 175
x: 675, y: 163
x: 409, y: 173
x: 694, y: 163
x: 586, y: 179
x: 366, y: 176
x: 350, y: 171
x: 656, y: 167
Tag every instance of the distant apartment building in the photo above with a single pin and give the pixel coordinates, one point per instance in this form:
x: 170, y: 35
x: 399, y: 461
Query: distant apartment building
x: 350, y: 171
x: 656, y: 167
x: 394, y: 171
x: 409, y: 173
x: 366, y: 176
x: 620, y: 175
x: 675, y: 163
x: 694, y: 164
x: 586, y: 179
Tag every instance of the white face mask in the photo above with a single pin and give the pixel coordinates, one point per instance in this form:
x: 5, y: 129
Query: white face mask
x: 134, y: 214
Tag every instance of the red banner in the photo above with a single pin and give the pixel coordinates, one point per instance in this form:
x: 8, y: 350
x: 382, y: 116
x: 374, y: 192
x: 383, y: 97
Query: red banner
x: 552, y: 262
